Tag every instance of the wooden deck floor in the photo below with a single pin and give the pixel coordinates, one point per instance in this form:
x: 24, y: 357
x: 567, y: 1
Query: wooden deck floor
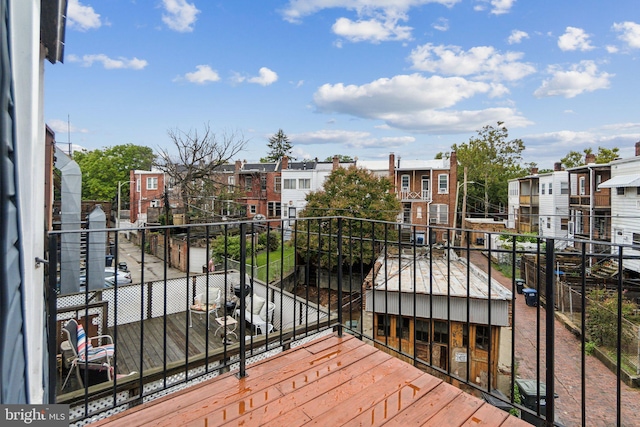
x: 327, y: 382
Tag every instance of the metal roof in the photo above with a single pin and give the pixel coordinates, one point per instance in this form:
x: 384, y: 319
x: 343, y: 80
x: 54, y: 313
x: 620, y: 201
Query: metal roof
x: 449, y: 278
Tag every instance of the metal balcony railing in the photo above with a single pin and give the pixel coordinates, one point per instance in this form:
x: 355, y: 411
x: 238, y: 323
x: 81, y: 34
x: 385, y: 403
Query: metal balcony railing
x: 442, y: 307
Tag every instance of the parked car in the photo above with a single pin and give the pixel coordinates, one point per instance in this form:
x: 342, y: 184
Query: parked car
x: 124, y: 278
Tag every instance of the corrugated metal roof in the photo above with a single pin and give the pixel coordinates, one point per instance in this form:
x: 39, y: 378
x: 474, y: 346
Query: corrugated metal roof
x: 449, y: 278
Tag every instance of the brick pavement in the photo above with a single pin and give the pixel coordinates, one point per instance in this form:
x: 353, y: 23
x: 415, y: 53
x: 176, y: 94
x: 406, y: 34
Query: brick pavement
x: 600, y: 381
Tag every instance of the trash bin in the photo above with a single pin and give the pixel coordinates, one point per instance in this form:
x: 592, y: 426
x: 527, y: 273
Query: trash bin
x: 529, y: 396
x: 519, y: 285
x: 530, y: 297
x: 497, y: 399
x: 108, y: 260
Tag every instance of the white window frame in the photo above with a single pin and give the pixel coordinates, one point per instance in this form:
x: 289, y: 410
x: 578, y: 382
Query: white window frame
x: 443, y: 184
x: 304, y: 183
x: 231, y: 183
x: 582, y: 186
x: 405, y: 182
x: 277, y: 184
x: 252, y: 209
x: 138, y: 185
x: 152, y: 183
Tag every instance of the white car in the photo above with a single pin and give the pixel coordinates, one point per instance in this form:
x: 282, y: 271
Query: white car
x: 124, y: 278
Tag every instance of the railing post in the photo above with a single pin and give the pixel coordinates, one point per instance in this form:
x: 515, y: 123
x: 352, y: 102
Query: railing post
x: 549, y: 332
x: 339, y: 266
x: 243, y: 283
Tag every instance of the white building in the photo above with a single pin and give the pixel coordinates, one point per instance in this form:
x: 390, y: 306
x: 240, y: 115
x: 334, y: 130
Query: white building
x: 625, y: 206
x: 513, y: 202
x: 554, y: 205
x: 302, y: 178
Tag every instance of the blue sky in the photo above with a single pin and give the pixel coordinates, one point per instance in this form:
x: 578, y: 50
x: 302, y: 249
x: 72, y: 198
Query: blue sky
x: 357, y: 77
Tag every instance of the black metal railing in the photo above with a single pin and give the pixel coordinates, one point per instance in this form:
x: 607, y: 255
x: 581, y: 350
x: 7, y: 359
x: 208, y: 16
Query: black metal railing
x: 447, y: 308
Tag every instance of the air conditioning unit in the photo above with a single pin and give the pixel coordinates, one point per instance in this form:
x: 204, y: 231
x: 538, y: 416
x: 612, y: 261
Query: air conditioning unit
x: 433, y: 220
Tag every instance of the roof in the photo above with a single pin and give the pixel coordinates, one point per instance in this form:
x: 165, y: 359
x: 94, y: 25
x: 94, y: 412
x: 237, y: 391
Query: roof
x: 407, y: 165
x: 258, y: 167
x: 373, y: 165
x: 632, y: 180
x: 449, y: 278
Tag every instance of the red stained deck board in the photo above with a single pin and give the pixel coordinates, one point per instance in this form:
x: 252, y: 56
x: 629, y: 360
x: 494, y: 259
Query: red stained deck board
x: 486, y: 416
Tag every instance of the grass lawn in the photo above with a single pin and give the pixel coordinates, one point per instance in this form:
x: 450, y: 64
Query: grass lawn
x: 275, y: 263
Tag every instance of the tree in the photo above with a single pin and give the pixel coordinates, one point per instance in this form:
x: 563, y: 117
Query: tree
x: 199, y: 156
x: 279, y: 146
x: 604, y: 155
x: 103, y: 169
x: 349, y: 192
x: 341, y: 158
x: 491, y: 160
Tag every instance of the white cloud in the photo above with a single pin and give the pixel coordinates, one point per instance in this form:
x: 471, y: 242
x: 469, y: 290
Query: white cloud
x: 180, y: 15
x: 612, y: 49
x: 349, y: 139
x: 574, y: 39
x: 265, y: 77
x: 517, y: 36
x: 298, y: 9
x: 579, y: 78
x: 630, y: 33
x: 203, y: 74
x: 82, y: 17
x: 481, y: 61
x: 109, y: 63
x: 442, y: 24
x: 415, y: 103
x: 500, y: 7
x: 372, y: 30
x: 63, y: 126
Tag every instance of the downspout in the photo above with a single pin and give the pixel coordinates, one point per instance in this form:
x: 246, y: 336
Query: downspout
x: 71, y: 189
x: 591, y: 219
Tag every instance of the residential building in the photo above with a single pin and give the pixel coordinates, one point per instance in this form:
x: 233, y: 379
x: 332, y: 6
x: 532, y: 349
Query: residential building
x: 146, y: 191
x: 260, y: 185
x: 624, y: 188
x: 439, y: 329
x: 589, y: 203
x: 554, y: 205
x: 427, y: 190
x: 302, y: 178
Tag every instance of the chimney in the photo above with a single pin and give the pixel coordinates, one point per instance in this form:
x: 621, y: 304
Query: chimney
x: 557, y: 166
x: 392, y: 164
x: 638, y: 148
x: 336, y: 162
x: 238, y: 165
x: 285, y: 162
x: 534, y: 171
x: 590, y: 158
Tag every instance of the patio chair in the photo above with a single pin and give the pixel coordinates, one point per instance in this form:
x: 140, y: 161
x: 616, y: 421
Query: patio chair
x: 97, y: 358
x: 258, y: 311
x: 201, y: 307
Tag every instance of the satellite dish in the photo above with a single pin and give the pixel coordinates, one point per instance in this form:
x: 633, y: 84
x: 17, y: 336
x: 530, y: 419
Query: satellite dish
x: 259, y: 217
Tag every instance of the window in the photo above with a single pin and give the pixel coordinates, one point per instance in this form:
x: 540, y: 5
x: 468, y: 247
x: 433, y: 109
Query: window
x: 138, y: 185
x: 274, y: 209
x: 637, y: 191
x: 405, y: 182
x: 248, y: 183
x: 423, y: 328
x: 549, y: 222
x: 402, y: 328
x: 252, y: 209
x: 263, y: 182
x: 155, y: 203
x: 419, y: 212
x: 277, y: 184
x: 304, y: 183
x: 438, y: 214
x: 598, y: 181
x: 384, y: 325
x: 543, y: 186
x: 636, y: 238
x: 289, y: 184
x: 152, y: 183
x: 583, y: 186
x: 564, y: 223
x: 482, y: 337
x: 620, y: 191
x: 443, y: 184
x: 440, y: 332
x: 551, y: 188
x: 231, y: 183
x: 564, y: 187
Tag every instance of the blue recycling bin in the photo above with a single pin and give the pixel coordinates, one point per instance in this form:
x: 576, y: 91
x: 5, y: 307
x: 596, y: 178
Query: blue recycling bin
x: 530, y: 297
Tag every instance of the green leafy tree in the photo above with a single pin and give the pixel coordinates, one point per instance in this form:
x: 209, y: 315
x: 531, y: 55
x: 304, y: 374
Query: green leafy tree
x: 341, y: 157
x: 349, y: 192
x: 491, y: 159
x: 602, y: 315
x: 103, y: 169
x: 279, y: 146
x: 574, y: 158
